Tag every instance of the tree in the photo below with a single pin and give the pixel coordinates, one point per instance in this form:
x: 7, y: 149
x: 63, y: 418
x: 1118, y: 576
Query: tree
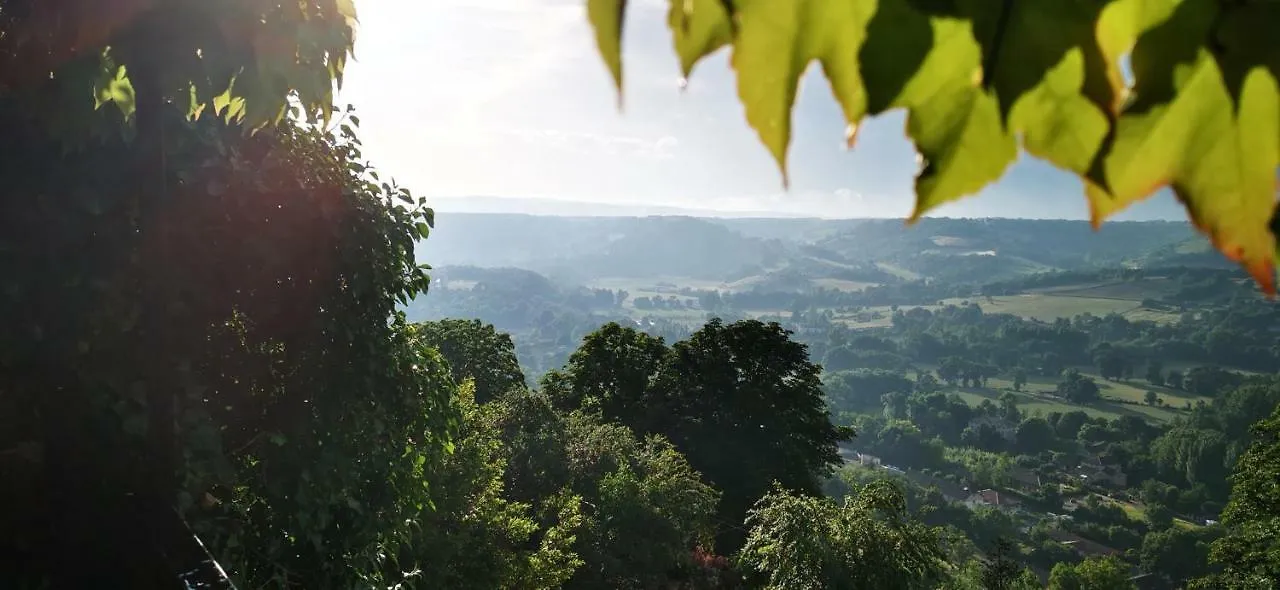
x: 1151, y: 398
x: 1019, y: 379
x: 257, y: 295
x: 1210, y: 381
x: 749, y: 412
x: 1095, y: 573
x: 1092, y: 433
x: 644, y: 509
x: 1078, y: 388
x: 1002, y: 571
x: 1034, y: 435
x: 1177, y: 554
x: 1112, y: 363
x: 1197, y: 455
x: 1174, y: 380
x: 799, y: 541
x: 742, y: 401
x: 1009, y: 407
x: 1068, y: 426
x: 950, y: 370
x: 475, y: 351
x: 241, y: 291
x: 614, y: 369
x: 863, y: 390
x: 973, y: 575
x: 1247, y: 552
x: 1155, y: 372
x: 1004, y: 106
x: 1158, y: 516
x: 475, y: 536
x: 926, y: 382
x: 650, y: 509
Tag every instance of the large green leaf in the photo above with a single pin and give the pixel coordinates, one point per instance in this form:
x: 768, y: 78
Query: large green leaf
x: 776, y: 42
x: 1218, y: 148
x: 698, y: 27
x: 932, y: 67
x: 606, y: 18
x: 1051, y: 78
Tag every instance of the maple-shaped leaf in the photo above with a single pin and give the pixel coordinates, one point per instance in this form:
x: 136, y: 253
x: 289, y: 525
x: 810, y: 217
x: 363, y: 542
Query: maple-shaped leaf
x: 698, y: 28
x: 777, y: 41
x: 1046, y: 65
x: 1205, y: 123
x: 606, y: 18
x: 932, y: 67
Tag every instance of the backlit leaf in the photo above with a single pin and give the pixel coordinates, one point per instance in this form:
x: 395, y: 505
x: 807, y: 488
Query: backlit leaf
x: 777, y: 41
x: 932, y: 67
x: 606, y: 18
x: 1050, y: 77
x: 698, y: 27
x: 1218, y: 149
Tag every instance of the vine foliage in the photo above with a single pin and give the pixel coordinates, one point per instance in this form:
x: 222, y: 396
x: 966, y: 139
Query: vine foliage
x: 981, y: 79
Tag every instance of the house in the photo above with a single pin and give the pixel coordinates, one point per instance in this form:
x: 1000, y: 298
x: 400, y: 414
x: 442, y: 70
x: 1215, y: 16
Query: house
x: 1092, y: 470
x: 868, y: 460
x: 994, y: 498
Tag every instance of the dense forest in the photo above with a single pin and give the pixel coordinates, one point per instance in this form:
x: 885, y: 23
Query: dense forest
x: 227, y: 360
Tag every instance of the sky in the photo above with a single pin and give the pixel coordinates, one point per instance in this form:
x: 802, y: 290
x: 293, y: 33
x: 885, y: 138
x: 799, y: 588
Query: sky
x: 508, y: 98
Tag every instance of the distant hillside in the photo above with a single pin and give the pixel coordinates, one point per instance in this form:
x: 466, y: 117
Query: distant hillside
x: 796, y: 254
x: 568, y: 208
x: 585, y: 248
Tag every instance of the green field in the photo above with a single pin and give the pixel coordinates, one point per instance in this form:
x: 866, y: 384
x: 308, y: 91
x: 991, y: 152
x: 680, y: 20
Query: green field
x: 1122, y: 297
x: 899, y: 271
x: 1050, y: 306
x: 1118, y: 398
x: 1133, y: 290
x: 841, y: 284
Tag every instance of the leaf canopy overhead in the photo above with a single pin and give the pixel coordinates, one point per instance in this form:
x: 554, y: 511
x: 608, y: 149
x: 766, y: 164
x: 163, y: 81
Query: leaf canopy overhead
x: 980, y: 79
x: 244, y: 60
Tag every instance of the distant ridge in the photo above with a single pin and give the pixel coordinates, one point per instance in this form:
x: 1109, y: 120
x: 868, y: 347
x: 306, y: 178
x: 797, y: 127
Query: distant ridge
x: 568, y: 208
x: 553, y: 207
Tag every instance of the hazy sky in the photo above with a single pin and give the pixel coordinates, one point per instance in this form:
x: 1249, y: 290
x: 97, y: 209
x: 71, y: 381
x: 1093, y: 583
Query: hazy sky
x: 509, y: 98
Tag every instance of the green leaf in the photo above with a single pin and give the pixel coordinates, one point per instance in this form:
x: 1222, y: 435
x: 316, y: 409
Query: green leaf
x: 347, y: 8
x: 606, y: 18
x: 115, y: 88
x: 698, y: 28
x: 1215, y: 141
x: 1051, y: 79
x: 955, y: 124
x: 228, y: 106
x: 776, y: 42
